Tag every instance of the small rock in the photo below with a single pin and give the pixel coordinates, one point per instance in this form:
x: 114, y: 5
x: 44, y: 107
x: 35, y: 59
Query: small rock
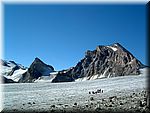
x: 91, y: 98
x: 14, y: 109
x: 112, y: 102
x: 86, y: 105
x: 53, y: 106
x: 93, y: 92
x: 103, y: 99
x: 75, y: 104
x: 112, y: 97
x: 33, y: 102
x: 99, y: 90
x: 110, y: 105
x: 29, y: 102
x: 121, y: 103
x: 142, y: 103
x: 66, y: 105
x: 60, y: 104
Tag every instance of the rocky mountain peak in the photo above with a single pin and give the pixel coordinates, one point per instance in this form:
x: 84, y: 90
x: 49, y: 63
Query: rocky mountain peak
x: 37, y: 63
x: 105, y: 61
x: 37, y: 60
x: 37, y: 69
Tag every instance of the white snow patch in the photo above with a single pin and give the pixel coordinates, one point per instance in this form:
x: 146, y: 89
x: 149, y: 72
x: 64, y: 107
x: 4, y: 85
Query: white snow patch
x: 16, y: 75
x: 131, y: 61
x: 113, y: 48
x: 54, y: 73
x: 45, y: 78
x: 144, y: 71
x: 81, y: 79
x: 94, y: 77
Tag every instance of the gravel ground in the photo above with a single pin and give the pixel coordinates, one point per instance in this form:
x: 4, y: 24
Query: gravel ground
x: 118, y: 94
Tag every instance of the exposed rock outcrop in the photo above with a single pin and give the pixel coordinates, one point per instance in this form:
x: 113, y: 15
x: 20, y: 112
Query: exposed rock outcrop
x: 105, y: 61
x: 36, y: 70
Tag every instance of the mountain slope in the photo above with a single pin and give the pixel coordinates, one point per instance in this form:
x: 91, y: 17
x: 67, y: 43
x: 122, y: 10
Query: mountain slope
x: 11, y: 71
x: 36, y: 70
x: 104, y: 61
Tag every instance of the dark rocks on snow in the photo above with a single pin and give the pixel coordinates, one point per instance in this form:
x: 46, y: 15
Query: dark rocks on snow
x: 75, y: 104
x: 53, y: 106
x: 91, y: 98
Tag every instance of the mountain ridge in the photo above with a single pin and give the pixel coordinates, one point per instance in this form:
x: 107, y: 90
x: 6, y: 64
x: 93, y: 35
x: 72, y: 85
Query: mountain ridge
x: 103, y: 62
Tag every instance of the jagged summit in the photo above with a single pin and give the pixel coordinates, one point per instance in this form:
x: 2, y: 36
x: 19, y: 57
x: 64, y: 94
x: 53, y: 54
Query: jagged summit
x: 114, y: 47
x: 105, y: 61
x: 37, y: 69
x: 37, y: 60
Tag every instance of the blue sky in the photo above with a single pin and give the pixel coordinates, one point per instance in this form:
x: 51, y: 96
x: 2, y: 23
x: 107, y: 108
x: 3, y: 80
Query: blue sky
x: 60, y: 34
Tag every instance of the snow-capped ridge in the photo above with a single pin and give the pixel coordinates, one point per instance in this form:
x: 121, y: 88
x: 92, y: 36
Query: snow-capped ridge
x: 12, y: 71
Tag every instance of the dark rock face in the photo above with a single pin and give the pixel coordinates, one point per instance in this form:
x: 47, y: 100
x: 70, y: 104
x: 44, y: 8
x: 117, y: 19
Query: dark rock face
x: 36, y: 70
x: 105, y: 61
x: 62, y: 77
x: 3, y: 63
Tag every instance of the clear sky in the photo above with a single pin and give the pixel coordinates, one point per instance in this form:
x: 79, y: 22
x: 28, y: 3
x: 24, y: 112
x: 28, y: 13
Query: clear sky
x: 60, y: 34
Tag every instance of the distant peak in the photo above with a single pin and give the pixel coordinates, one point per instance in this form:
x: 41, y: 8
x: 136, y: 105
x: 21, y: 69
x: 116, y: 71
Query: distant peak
x: 37, y: 59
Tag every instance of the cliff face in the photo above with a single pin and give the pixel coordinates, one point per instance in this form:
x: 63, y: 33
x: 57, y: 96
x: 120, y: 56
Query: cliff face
x: 36, y: 70
x: 104, y: 61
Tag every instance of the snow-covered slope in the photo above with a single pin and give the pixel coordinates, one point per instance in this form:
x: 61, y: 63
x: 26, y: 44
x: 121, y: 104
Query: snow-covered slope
x: 12, y: 70
x: 143, y: 72
x: 49, y: 78
x: 122, y: 93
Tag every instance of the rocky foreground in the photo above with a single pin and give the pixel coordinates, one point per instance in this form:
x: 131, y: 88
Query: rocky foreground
x: 118, y: 94
x: 135, y: 103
